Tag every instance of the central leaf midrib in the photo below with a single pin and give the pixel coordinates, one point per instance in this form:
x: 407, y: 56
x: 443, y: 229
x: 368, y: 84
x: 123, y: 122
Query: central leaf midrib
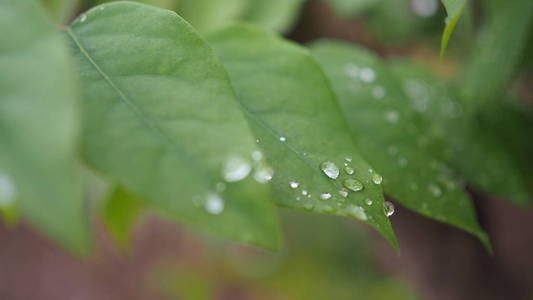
x: 137, y: 110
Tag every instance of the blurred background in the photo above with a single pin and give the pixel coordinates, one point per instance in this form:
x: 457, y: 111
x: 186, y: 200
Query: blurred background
x: 324, y: 257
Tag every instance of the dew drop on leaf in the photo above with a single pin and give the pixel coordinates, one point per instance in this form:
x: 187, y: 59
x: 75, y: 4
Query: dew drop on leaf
x: 236, y: 169
x: 378, y: 92
x: 343, y: 192
x: 83, y: 18
x: 325, y: 196
x: 388, y: 208
x: 8, y: 191
x: 305, y: 192
x: 349, y: 170
x: 367, y: 75
x: 294, y: 184
x: 330, y: 169
x: 353, y: 184
x: 434, y: 190
x: 368, y: 201
x: 214, y: 204
x: 392, y: 116
x: 263, y: 174
x: 376, y: 178
x: 257, y: 155
x: 282, y: 139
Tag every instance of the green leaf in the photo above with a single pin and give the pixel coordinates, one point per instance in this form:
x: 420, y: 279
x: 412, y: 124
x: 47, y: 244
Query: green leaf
x: 162, y: 121
x: 210, y: 15
x: 474, y: 149
x: 39, y: 126
x: 120, y: 212
x: 293, y: 112
x: 454, y: 9
x: 394, y: 138
x: 498, y: 52
x: 274, y: 15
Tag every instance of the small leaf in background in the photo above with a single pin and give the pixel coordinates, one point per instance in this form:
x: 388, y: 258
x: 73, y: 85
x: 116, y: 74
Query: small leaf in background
x: 162, y: 120
x: 291, y: 107
x: 393, y: 137
x: 275, y: 15
x: 475, y: 151
x: 121, y: 211
x: 350, y: 8
x: 454, y: 9
x: 498, y: 51
x: 39, y: 126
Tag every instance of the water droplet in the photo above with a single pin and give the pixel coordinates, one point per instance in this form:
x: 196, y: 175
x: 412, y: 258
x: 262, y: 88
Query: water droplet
x: 257, y: 140
x: 403, y: 162
x: 263, y: 174
x: 294, y: 184
x: 325, y: 196
x: 392, y: 116
x: 379, y: 92
x: 392, y: 150
x: 351, y: 70
x: 388, y: 208
x: 367, y: 75
x: 368, y: 201
x: 343, y: 192
x: 220, y: 187
x: 8, y: 191
x: 236, y: 169
x: 424, y: 8
x: 330, y: 169
x: 305, y: 192
x: 349, y: 170
x: 376, y: 178
x: 434, y: 190
x: 257, y: 155
x: 298, y: 198
x: 214, y: 204
x: 357, y: 211
x: 282, y: 139
x: 83, y: 18
x: 370, y: 170
x: 353, y: 184
x: 348, y: 159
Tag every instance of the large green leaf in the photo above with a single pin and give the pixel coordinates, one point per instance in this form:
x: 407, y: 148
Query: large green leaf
x: 275, y: 15
x: 391, y: 134
x: 475, y: 150
x: 454, y: 9
x: 293, y: 112
x: 162, y: 120
x: 39, y: 126
x: 499, y: 50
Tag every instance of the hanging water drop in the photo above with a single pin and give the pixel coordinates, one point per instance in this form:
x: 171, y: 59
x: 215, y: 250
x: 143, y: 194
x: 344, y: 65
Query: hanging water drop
x: 325, y: 196
x: 376, y: 178
x: 214, y: 204
x: 8, y: 191
x: 388, y: 208
x: 330, y: 169
x: 353, y: 184
x: 236, y: 169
